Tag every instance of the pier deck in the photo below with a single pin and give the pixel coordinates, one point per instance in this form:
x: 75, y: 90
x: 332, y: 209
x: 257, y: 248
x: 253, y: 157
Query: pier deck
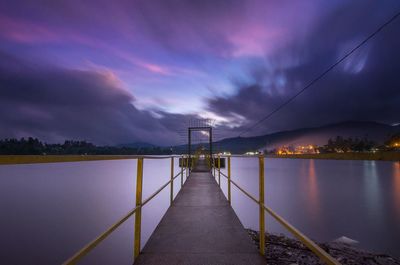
x: 200, y: 227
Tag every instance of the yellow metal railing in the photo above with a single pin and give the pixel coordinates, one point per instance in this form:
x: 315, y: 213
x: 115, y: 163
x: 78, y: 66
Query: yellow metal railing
x: 138, y: 208
x: 322, y: 254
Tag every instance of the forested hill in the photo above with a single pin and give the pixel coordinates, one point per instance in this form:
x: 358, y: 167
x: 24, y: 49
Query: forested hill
x: 376, y: 132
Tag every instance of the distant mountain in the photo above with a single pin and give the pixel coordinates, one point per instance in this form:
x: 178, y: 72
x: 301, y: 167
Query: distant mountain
x: 137, y: 145
x: 374, y: 131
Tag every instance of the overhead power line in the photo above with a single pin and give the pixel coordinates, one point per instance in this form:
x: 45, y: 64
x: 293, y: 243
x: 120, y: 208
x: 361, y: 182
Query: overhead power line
x: 320, y: 76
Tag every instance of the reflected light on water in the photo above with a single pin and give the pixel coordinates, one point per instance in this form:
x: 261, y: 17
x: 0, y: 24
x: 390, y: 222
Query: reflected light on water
x: 372, y: 188
x: 396, y: 188
x: 313, y: 195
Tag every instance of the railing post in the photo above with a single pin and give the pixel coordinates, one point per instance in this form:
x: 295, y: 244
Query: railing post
x: 213, y: 163
x: 187, y: 166
x: 261, y: 204
x: 181, y: 171
x: 138, y: 214
x: 219, y: 171
x: 172, y: 180
x: 229, y: 179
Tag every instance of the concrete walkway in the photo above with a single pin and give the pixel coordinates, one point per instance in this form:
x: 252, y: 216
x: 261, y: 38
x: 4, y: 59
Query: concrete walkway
x: 200, y: 228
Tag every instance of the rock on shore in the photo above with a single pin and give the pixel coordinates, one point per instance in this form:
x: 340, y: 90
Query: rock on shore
x: 281, y: 250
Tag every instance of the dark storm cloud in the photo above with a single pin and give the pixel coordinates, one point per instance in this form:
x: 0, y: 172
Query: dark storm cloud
x: 55, y: 104
x: 364, y: 87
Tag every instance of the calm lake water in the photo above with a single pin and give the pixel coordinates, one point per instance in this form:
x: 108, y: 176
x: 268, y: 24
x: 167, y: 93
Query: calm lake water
x: 48, y: 211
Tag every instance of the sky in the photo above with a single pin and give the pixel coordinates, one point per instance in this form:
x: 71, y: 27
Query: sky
x: 113, y: 72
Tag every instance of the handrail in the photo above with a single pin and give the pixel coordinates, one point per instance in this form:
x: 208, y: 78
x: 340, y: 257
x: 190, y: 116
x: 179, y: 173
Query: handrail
x: 322, y: 254
x: 244, y: 156
x: 88, y: 247
x: 158, y: 157
x: 241, y: 189
x: 43, y: 159
x: 159, y: 190
x: 91, y: 245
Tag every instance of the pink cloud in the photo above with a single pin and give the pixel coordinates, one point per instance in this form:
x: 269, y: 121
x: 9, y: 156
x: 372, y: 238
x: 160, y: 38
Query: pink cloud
x: 255, y: 41
x: 154, y: 68
x: 28, y: 32
x: 167, y: 70
x: 24, y: 31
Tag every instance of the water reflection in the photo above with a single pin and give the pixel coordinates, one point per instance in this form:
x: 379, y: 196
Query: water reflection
x: 372, y: 188
x: 396, y: 188
x: 313, y: 196
x: 324, y: 199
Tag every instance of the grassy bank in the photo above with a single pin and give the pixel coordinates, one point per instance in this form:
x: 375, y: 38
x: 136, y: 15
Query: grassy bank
x: 30, y: 159
x: 384, y: 156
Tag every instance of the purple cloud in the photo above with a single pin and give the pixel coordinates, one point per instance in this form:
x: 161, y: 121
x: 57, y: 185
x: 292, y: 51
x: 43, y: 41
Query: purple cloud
x: 230, y: 60
x: 57, y: 104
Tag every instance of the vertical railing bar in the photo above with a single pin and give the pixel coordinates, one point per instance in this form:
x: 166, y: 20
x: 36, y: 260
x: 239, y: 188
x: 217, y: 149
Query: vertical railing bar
x: 181, y: 171
x: 187, y: 167
x: 172, y: 181
x: 219, y: 171
x: 261, y: 203
x: 213, y: 162
x: 229, y: 180
x: 138, y: 214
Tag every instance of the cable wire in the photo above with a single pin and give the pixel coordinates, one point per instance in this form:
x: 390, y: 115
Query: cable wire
x: 320, y: 76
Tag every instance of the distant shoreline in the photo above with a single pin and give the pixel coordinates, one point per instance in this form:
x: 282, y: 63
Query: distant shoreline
x: 34, y: 159
x: 379, y: 156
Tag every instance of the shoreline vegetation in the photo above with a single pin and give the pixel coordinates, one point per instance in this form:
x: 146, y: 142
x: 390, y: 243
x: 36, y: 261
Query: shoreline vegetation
x: 34, y: 159
x: 379, y: 156
x: 282, y: 250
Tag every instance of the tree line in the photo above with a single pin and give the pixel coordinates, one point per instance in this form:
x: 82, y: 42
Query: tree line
x: 32, y: 146
x: 344, y: 145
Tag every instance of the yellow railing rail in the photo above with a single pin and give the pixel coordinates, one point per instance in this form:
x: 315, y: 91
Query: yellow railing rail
x: 137, y: 210
x: 44, y: 159
x: 322, y: 254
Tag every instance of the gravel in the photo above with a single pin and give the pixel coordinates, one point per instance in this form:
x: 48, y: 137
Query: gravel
x: 283, y: 250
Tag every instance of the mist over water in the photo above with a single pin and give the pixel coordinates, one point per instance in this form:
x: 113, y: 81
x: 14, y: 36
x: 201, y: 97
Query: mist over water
x: 49, y: 211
